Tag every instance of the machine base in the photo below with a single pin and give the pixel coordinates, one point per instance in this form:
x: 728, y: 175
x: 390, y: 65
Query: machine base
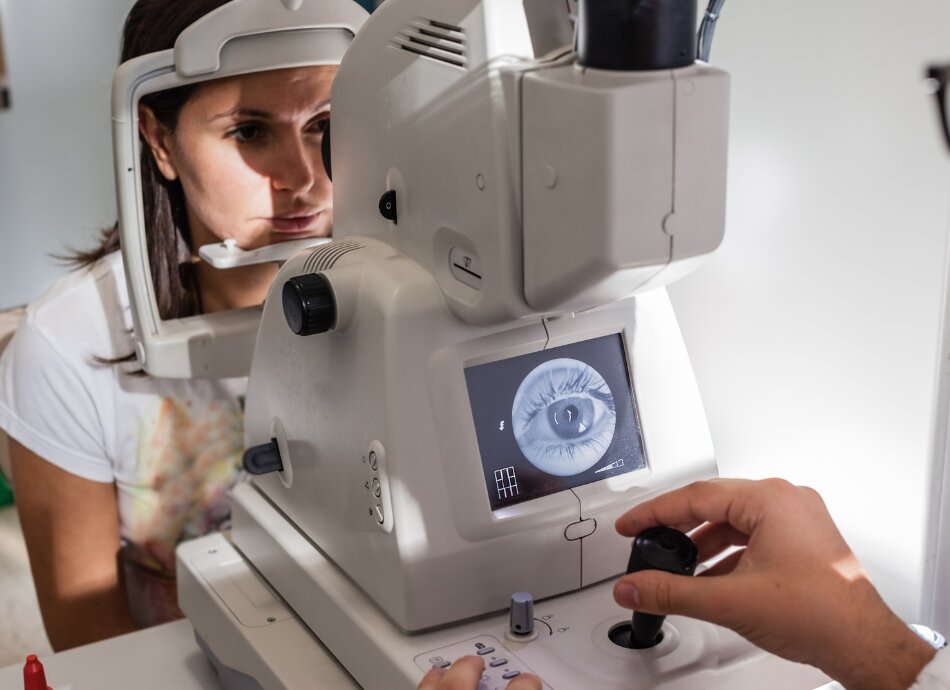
x: 250, y: 630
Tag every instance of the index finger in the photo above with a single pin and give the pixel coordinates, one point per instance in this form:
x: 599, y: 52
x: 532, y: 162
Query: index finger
x: 431, y: 680
x: 464, y: 674
x: 716, y: 500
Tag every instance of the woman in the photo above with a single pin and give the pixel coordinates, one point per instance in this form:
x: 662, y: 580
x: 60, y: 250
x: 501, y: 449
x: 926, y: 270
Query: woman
x: 113, y: 468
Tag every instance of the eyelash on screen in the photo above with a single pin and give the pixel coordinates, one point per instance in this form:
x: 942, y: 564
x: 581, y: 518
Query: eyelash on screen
x: 579, y: 384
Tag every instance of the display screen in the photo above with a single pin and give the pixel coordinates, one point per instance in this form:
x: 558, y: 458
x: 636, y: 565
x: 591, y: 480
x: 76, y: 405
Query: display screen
x: 552, y: 420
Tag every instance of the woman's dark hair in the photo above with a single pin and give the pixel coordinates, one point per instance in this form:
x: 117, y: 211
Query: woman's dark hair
x: 153, y: 26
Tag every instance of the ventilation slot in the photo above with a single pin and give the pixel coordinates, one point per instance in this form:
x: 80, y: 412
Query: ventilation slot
x: 433, y: 39
x: 325, y: 257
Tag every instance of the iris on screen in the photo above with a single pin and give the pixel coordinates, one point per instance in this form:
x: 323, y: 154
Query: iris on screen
x: 563, y: 417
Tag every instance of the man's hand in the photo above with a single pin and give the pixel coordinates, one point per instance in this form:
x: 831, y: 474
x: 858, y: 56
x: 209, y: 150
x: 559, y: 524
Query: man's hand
x: 465, y: 673
x: 793, y: 587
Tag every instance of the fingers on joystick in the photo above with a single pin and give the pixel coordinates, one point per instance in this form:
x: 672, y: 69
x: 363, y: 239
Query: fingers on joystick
x: 657, y: 548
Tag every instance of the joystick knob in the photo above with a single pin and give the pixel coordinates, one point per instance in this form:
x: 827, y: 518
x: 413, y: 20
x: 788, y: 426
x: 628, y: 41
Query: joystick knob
x: 657, y: 548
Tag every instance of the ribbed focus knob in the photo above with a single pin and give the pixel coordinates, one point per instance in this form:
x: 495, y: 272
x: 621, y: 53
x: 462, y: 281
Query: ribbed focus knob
x: 309, y: 306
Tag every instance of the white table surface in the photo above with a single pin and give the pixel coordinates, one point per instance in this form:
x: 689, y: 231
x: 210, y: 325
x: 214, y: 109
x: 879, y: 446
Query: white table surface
x: 165, y: 657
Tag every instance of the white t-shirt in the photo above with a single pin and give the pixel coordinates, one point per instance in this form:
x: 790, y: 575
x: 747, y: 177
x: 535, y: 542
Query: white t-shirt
x: 172, y: 447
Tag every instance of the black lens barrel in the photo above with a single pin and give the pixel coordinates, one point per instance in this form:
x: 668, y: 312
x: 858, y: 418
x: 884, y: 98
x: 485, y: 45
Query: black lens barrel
x: 636, y: 35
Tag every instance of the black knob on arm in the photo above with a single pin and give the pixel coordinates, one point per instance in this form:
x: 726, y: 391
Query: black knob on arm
x: 309, y: 305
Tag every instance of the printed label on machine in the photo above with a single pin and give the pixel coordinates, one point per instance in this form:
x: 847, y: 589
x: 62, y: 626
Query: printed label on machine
x: 552, y: 420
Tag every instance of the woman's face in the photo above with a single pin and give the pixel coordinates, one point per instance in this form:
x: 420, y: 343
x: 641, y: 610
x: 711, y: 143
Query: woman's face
x: 247, y: 150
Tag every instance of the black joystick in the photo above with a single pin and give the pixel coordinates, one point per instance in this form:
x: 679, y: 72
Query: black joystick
x: 657, y: 548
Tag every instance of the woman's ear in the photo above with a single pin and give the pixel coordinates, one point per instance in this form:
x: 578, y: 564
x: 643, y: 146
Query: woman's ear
x: 158, y: 139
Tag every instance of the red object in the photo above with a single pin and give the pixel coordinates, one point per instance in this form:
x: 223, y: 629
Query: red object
x: 34, y: 678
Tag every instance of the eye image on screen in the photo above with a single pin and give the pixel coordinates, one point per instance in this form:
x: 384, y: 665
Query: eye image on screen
x: 563, y: 417
x: 556, y: 419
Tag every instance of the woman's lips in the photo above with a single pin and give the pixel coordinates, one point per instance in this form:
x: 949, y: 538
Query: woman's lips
x: 295, y: 223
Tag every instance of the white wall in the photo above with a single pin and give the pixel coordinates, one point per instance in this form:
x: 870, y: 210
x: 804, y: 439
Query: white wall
x: 56, y: 184
x: 814, y: 330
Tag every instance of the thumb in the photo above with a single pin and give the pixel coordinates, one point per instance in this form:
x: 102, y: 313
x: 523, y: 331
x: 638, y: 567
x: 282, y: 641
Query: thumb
x: 654, y: 591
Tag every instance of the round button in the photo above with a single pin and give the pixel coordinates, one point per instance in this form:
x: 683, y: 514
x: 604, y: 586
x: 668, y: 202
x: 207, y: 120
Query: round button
x: 581, y: 529
x: 373, y: 460
x: 377, y: 489
x: 378, y: 513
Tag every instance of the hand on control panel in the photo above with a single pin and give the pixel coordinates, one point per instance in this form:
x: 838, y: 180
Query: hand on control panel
x: 794, y: 588
x: 465, y: 674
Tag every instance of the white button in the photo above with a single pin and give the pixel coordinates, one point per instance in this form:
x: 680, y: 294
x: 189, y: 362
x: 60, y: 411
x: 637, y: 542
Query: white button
x: 377, y: 490
x: 378, y: 512
x: 373, y: 460
x: 466, y: 267
x: 579, y: 530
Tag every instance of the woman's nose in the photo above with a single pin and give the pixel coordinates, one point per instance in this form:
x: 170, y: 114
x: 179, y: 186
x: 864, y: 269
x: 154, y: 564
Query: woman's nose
x: 294, y: 166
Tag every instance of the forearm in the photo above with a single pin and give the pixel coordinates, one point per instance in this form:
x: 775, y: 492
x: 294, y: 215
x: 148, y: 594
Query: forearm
x: 90, y: 617
x: 71, y: 529
x: 883, y: 653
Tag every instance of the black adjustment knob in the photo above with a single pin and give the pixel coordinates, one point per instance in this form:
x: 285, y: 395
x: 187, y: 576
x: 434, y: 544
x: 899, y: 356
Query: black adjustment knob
x: 387, y: 206
x: 657, y: 548
x: 309, y: 306
x: 263, y: 459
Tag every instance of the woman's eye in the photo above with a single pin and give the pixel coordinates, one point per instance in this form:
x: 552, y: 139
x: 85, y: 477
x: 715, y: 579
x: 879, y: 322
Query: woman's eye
x: 246, y: 133
x: 320, y: 125
x: 563, y: 417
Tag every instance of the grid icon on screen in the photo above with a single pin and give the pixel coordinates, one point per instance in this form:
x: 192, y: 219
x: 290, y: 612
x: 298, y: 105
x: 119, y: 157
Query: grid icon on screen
x: 506, y: 482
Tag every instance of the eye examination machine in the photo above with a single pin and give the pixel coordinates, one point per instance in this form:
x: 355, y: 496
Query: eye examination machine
x: 450, y: 404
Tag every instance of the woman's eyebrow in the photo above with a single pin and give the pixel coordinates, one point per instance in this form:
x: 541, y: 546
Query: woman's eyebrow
x: 240, y: 112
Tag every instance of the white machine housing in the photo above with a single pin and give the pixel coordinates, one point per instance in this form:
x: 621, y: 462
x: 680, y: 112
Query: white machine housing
x: 396, y: 391
x: 380, y: 520
x: 241, y: 37
x: 565, y: 188
x: 539, y: 204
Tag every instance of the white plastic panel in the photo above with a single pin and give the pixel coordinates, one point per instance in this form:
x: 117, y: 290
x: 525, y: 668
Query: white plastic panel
x: 198, y: 48
x: 623, y: 173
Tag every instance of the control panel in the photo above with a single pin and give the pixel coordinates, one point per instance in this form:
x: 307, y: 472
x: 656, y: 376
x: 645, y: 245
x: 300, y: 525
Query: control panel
x: 376, y: 487
x: 501, y: 665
